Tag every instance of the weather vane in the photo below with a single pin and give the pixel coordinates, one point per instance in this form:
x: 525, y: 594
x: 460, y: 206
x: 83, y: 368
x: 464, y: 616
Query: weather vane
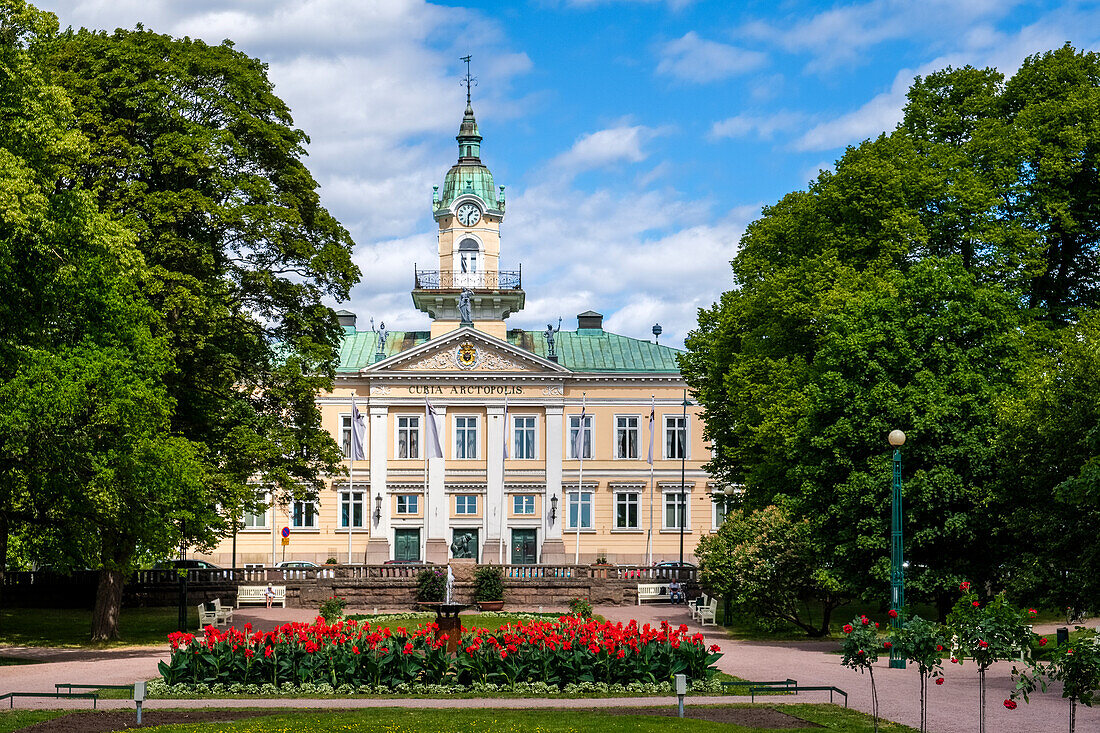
x: 469, y: 81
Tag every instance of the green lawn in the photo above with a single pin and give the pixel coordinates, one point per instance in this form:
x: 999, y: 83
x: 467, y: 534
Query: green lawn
x: 71, y: 627
x: 12, y: 720
x: 394, y: 720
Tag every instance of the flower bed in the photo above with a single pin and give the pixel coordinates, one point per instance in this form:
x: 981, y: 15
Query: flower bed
x: 351, y: 655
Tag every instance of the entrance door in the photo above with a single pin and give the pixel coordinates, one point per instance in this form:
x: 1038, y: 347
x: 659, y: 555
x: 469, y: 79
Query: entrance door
x: 406, y: 544
x: 524, y: 547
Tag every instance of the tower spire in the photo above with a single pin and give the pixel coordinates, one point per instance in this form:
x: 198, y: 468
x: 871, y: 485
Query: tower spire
x: 469, y: 81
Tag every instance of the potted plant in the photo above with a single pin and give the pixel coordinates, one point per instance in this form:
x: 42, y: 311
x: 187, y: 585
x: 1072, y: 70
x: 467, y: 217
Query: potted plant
x: 489, y: 588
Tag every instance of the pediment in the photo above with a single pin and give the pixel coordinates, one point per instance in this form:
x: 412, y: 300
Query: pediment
x: 466, y: 351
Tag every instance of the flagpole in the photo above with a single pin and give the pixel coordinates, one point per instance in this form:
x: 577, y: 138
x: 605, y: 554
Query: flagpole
x: 503, y: 494
x: 649, y: 537
x: 427, y: 416
x: 351, y: 475
x: 580, y: 480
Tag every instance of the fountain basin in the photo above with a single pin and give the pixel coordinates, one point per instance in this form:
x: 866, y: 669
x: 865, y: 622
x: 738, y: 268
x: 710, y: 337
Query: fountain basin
x: 446, y: 618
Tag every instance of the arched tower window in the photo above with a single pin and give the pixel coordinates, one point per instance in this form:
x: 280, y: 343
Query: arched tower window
x: 468, y: 254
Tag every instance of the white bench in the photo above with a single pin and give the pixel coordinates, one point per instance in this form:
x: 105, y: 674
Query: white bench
x: 652, y: 592
x: 697, y: 605
x: 708, y: 612
x: 258, y: 594
x: 223, y: 614
x: 207, y: 616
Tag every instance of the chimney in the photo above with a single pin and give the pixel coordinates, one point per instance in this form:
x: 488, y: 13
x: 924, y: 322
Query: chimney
x: 590, y: 321
x: 346, y: 319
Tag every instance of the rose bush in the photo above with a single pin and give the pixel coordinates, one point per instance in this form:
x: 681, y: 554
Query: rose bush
x: 568, y: 650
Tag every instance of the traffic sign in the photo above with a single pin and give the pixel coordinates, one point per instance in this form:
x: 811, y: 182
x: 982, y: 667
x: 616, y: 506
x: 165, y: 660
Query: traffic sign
x: 286, y: 531
x: 286, y: 541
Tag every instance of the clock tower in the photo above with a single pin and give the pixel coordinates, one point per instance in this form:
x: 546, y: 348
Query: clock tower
x: 468, y: 211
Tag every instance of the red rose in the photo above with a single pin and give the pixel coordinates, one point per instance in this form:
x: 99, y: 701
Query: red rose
x: 975, y: 604
x: 1033, y: 612
x: 847, y: 628
x: 954, y: 661
x: 876, y: 624
x: 892, y: 613
x: 939, y: 680
x: 865, y: 620
x: 983, y: 644
x: 939, y: 647
x: 887, y: 645
x: 1010, y: 704
x: 964, y: 586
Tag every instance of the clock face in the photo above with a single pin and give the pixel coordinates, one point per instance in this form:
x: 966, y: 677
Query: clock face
x: 468, y: 214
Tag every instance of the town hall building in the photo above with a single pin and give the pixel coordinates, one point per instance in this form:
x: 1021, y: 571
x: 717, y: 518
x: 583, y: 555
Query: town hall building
x: 544, y: 436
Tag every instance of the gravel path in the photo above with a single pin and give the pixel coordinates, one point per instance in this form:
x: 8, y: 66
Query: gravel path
x: 952, y: 706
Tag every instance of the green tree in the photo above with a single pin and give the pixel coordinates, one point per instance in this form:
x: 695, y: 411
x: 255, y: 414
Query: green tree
x: 769, y: 565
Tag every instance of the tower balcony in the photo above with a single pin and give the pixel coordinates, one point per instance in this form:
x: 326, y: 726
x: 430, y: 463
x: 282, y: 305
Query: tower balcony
x: 482, y: 280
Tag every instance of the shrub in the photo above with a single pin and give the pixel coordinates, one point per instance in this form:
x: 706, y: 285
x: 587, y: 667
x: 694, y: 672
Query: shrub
x: 488, y: 584
x: 431, y: 585
x: 580, y: 607
x: 331, y: 561
x: 333, y: 608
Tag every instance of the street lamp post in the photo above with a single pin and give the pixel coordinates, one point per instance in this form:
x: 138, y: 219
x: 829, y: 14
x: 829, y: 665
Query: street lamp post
x: 897, y: 571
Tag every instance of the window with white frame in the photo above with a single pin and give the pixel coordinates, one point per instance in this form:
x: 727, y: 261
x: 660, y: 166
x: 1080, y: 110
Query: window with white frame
x: 408, y: 503
x: 675, y: 436
x: 626, y: 510
x: 523, y: 437
x: 626, y: 436
x: 574, y: 427
x: 351, y: 509
x: 345, y: 435
x: 466, y: 436
x: 408, y: 436
x: 255, y: 517
x: 523, y: 504
x: 675, y: 512
x: 303, y: 514
x: 580, y: 509
x: 721, y: 509
x: 466, y: 504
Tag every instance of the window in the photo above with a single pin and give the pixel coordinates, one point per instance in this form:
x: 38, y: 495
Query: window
x: 675, y: 436
x: 626, y: 436
x: 408, y: 503
x: 721, y: 509
x: 523, y: 437
x: 523, y: 504
x: 408, y: 436
x: 674, y: 511
x: 574, y: 426
x: 254, y: 518
x: 345, y: 434
x: 351, y: 507
x: 580, y: 506
x: 626, y: 511
x: 466, y: 504
x: 467, y: 253
x: 303, y: 514
x: 465, y: 436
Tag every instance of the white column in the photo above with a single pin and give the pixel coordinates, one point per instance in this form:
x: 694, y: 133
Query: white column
x: 553, y: 549
x: 436, y: 542
x: 378, y: 439
x: 494, y: 480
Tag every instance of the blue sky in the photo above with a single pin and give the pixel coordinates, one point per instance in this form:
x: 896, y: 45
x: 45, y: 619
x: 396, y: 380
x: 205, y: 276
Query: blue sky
x: 636, y: 138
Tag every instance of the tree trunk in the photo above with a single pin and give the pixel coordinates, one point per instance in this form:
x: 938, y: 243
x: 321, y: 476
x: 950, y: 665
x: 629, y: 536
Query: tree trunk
x: 108, y: 603
x: 3, y: 552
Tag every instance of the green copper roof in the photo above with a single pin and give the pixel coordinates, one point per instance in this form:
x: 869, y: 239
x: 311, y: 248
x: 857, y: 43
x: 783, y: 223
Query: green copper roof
x: 587, y: 350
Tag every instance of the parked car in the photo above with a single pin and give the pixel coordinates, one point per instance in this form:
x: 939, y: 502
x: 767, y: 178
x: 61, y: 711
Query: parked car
x: 189, y: 564
x: 671, y: 568
x: 296, y: 564
x: 406, y: 562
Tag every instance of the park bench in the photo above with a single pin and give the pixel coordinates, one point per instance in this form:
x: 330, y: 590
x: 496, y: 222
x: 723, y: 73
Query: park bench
x: 257, y: 594
x: 695, y: 606
x: 708, y: 612
x: 223, y: 614
x: 208, y: 616
x: 652, y: 592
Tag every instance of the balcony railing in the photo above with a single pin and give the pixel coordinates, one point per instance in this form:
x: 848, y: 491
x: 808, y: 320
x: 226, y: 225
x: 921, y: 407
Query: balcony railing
x: 486, y: 280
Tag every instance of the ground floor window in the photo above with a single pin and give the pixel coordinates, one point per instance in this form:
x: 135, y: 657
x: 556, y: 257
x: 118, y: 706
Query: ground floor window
x: 626, y: 510
x: 303, y: 514
x: 580, y: 510
x: 408, y: 504
x: 351, y: 509
x: 466, y: 504
x: 465, y: 543
x: 523, y: 504
x: 675, y: 512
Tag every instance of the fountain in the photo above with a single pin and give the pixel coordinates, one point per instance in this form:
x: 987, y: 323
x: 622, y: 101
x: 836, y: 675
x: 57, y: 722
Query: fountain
x: 446, y: 614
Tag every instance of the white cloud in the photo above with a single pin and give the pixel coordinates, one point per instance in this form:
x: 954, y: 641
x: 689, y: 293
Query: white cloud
x: 762, y: 126
x: 698, y: 60
x: 613, y: 145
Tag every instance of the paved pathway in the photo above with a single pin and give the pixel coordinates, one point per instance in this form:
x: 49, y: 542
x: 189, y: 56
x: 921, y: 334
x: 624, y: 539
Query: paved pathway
x: 952, y: 706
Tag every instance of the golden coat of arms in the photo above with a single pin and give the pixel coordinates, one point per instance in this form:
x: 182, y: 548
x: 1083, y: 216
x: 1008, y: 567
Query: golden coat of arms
x: 467, y: 355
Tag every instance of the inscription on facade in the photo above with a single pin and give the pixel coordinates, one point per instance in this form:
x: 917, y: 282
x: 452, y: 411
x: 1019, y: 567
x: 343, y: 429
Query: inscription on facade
x: 465, y: 389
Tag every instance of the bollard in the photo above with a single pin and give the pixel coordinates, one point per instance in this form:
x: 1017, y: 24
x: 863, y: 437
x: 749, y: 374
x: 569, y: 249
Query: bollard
x: 681, y: 690
x: 139, y: 697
